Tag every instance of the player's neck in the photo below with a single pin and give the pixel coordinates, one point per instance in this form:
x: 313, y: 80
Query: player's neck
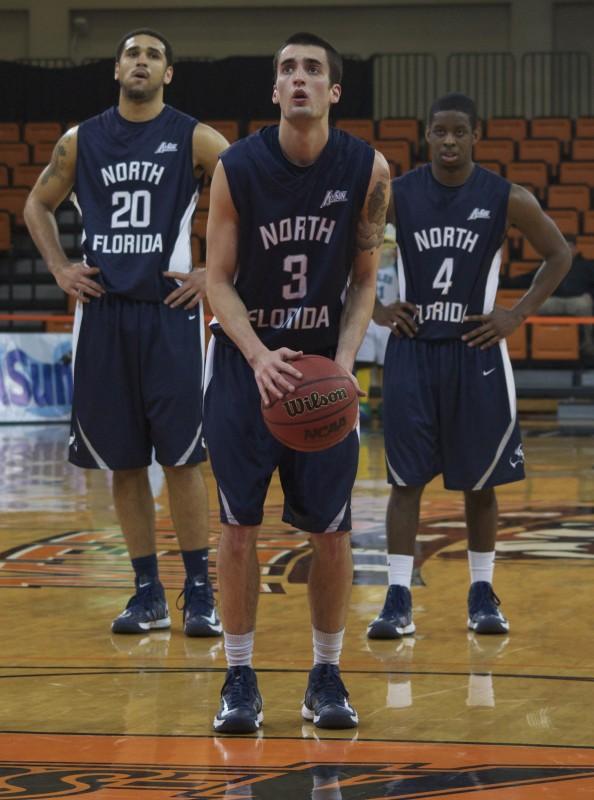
x: 452, y: 177
x: 140, y: 111
x: 302, y: 144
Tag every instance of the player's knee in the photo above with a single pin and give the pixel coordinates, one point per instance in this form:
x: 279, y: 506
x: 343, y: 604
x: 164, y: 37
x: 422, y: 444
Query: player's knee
x: 407, y: 498
x: 483, y: 498
x: 331, y: 545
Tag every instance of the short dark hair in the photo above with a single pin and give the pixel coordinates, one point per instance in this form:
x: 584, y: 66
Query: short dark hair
x: 333, y: 56
x: 455, y: 101
x: 146, y: 32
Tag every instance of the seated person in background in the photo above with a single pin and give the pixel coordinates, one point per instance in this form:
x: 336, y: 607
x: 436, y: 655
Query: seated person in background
x: 573, y: 297
x: 373, y: 347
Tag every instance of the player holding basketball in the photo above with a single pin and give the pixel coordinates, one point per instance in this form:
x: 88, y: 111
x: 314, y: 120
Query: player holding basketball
x: 449, y: 397
x: 296, y: 224
x: 136, y: 171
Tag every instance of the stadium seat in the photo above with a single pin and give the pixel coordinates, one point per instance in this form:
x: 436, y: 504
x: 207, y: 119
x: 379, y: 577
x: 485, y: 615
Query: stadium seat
x: 516, y: 344
x: 514, y: 236
x: 533, y: 173
x: 522, y: 267
x: 506, y: 298
x: 582, y: 150
x: 13, y: 200
x: 5, y: 232
x: 13, y: 154
x: 552, y: 128
x: 42, y: 152
x: 9, y: 132
x: 586, y: 246
x: 584, y: 128
x: 577, y: 172
x: 555, y: 342
x: 229, y: 128
x: 547, y: 150
x: 567, y: 220
x: 363, y: 128
x: 588, y: 221
x: 506, y: 128
x: 198, y: 250
x: 35, y: 132
x: 398, y: 152
x: 529, y: 253
x: 574, y: 196
x: 255, y: 124
x: 4, y: 175
x: 199, y: 224
x: 502, y: 150
x: 204, y: 199
x: 404, y: 128
x: 494, y: 166
x: 26, y: 174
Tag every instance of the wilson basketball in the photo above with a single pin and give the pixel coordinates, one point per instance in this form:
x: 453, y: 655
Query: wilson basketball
x: 322, y: 410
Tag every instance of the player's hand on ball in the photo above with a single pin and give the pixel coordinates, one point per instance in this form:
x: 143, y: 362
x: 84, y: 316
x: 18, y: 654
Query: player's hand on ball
x: 273, y: 372
x: 75, y: 280
x: 399, y: 317
x: 494, y: 327
x: 191, y: 291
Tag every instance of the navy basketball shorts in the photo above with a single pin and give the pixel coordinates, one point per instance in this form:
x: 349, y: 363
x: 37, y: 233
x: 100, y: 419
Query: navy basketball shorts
x: 451, y: 409
x: 243, y: 454
x: 138, y: 371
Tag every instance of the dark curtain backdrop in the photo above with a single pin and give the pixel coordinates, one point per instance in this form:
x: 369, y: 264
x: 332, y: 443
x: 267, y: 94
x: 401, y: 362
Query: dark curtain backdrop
x: 231, y: 88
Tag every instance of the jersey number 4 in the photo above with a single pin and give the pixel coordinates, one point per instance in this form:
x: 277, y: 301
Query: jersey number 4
x: 443, y: 279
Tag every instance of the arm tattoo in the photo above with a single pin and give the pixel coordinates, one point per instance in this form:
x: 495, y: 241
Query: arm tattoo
x: 370, y: 232
x: 54, y: 168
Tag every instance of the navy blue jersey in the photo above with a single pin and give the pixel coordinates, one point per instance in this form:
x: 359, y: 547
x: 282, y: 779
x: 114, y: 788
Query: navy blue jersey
x: 136, y: 190
x: 297, y: 229
x: 449, y: 247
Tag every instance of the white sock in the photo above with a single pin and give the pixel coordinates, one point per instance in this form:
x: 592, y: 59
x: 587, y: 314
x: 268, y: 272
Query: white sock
x: 327, y: 647
x: 481, y: 566
x: 400, y: 570
x: 239, y: 649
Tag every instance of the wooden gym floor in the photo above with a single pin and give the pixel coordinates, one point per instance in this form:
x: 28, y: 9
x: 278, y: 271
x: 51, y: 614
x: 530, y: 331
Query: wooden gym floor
x: 443, y: 714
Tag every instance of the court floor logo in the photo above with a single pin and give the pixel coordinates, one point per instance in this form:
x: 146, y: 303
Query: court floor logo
x: 359, y: 781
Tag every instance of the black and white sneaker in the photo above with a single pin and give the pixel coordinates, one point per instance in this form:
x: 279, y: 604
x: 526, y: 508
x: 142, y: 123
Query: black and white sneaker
x: 241, y: 703
x: 199, y: 611
x: 395, y: 619
x: 484, y: 615
x: 146, y: 610
x: 326, y: 701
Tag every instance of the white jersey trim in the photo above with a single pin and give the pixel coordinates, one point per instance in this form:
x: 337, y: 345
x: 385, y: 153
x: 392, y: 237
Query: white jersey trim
x: 181, y: 256
x: 492, y: 283
x: 394, y: 474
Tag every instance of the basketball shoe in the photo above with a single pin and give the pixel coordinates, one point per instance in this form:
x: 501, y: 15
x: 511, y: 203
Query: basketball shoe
x: 326, y: 701
x: 198, y: 611
x: 241, y: 703
x: 395, y: 618
x: 146, y: 610
x: 484, y: 615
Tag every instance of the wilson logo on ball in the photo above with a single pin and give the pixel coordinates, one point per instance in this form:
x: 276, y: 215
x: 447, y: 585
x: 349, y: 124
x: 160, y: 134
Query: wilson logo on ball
x: 313, y: 401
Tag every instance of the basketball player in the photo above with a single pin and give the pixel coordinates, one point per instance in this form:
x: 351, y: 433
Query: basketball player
x: 294, y: 236
x: 136, y: 171
x: 449, y: 397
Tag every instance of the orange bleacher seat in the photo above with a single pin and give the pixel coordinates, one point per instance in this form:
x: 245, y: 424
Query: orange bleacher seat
x: 26, y: 174
x: 516, y: 344
x: 4, y: 175
x: 555, y: 342
x: 582, y: 150
x: 9, y: 132
x: 405, y: 128
x: 506, y: 128
x: 13, y: 154
x: 198, y: 250
x: 13, y: 200
x: 494, y: 166
x: 529, y: 253
x: 255, y: 124
x: 585, y: 245
x: 567, y: 196
x: 584, y: 128
x: 532, y: 173
x: 576, y: 172
x: 507, y: 298
x: 522, y: 267
x: 42, y: 152
x: 514, y: 236
x: 229, y: 128
x: 502, y: 150
x: 547, y: 150
x: 588, y: 221
x: 551, y: 128
x: 567, y: 220
x: 35, y: 132
x: 199, y: 224
x: 398, y: 152
x: 5, y: 234
x: 363, y: 128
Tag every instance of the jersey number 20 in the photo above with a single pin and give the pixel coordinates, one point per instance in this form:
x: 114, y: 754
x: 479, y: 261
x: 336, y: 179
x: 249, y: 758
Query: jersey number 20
x: 133, y: 209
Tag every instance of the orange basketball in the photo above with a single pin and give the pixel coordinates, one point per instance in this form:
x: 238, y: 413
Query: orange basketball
x: 322, y: 410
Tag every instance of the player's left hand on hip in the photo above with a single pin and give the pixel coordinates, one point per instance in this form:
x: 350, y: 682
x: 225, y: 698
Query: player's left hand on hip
x: 494, y: 327
x: 191, y: 291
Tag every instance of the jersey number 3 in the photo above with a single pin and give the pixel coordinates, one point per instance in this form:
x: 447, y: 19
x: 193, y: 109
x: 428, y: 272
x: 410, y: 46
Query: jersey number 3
x: 297, y: 288
x: 443, y: 279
